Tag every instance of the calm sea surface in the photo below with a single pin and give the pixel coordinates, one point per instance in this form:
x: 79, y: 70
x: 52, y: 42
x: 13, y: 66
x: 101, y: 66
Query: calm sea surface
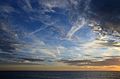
x: 59, y: 75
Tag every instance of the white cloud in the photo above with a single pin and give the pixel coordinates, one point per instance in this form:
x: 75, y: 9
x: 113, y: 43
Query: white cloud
x: 54, y: 3
x: 37, y: 30
x: 6, y: 8
x: 78, y: 25
x: 94, y: 48
x: 87, y: 4
x: 28, y: 4
x: 38, y: 49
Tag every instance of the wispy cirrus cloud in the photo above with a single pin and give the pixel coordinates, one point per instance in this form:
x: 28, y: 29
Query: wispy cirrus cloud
x: 28, y: 3
x: 6, y: 8
x: 79, y: 24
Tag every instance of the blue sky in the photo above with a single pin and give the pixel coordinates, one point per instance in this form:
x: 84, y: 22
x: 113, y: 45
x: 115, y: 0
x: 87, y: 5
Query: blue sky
x: 53, y: 30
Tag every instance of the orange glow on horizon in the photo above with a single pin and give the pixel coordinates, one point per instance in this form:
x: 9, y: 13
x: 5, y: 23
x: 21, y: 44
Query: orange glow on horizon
x: 57, y: 68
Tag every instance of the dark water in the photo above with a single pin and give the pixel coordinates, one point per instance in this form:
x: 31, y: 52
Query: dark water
x: 59, y: 75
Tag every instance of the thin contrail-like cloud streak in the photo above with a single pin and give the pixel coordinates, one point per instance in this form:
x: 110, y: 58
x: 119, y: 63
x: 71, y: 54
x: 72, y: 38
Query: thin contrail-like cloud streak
x: 38, y: 30
x: 76, y: 27
x: 28, y: 4
x: 80, y: 22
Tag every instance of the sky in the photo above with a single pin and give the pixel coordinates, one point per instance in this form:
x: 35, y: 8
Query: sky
x: 60, y: 32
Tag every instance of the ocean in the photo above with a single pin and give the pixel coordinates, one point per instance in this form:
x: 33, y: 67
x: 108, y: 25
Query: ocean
x: 59, y: 75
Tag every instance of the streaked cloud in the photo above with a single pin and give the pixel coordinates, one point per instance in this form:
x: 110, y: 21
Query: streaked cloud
x: 80, y: 23
x: 107, y: 62
x: 28, y: 3
x: 6, y: 8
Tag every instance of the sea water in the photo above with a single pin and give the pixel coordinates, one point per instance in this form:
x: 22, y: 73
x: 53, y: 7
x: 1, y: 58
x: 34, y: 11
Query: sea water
x: 59, y: 75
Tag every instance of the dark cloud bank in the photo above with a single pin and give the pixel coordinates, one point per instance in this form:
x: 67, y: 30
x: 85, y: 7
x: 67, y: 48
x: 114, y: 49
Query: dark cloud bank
x: 113, y: 60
